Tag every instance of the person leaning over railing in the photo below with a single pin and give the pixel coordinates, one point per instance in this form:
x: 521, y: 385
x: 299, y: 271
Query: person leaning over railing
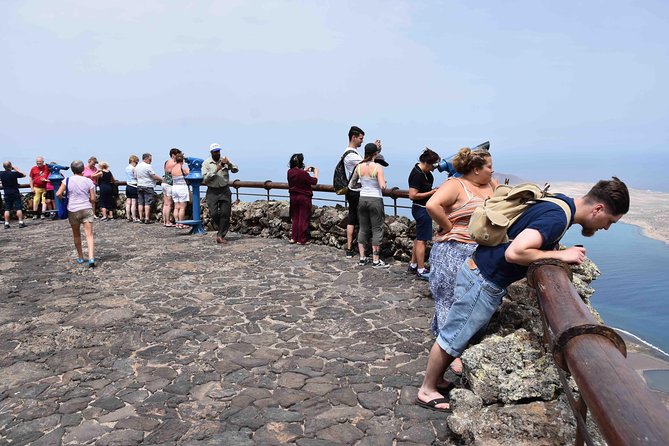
x: 482, y: 280
x: 300, y: 182
x: 451, y: 207
x: 215, y: 175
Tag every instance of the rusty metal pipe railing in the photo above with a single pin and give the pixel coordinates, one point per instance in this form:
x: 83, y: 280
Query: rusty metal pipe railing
x: 626, y: 412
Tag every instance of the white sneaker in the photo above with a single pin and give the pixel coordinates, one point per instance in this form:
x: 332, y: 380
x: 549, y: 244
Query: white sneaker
x: 380, y: 265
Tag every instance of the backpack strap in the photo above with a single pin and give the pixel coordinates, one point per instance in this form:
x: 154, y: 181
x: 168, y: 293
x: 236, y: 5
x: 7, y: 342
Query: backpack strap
x: 565, y: 207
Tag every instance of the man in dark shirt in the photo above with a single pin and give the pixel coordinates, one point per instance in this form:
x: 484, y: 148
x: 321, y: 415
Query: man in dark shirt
x: 9, y: 178
x: 482, y: 280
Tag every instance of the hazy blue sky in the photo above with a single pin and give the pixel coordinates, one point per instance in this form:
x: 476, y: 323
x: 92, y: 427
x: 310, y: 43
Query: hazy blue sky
x: 568, y: 90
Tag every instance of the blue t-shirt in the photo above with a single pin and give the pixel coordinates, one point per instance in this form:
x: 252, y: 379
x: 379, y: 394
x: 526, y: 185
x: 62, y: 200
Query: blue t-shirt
x: 547, y: 218
x: 9, y: 179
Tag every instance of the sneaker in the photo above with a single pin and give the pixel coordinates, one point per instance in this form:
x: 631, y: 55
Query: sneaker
x: 34, y: 217
x: 42, y: 217
x: 363, y: 262
x: 91, y: 262
x: 7, y: 226
x: 22, y: 225
x: 412, y: 270
x: 380, y: 265
x: 350, y: 253
x: 425, y: 275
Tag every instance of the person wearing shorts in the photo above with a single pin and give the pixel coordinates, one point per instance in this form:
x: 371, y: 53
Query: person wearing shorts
x: 420, y: 190
x: 131, y: 189
x: 180, y: 191
x: 483, y: 279
x: 39, y: 176
x: 355, y: 138
x: 9, y: 177
x: 80, y: 192
x: 146, y: 195
x: 166, y: 187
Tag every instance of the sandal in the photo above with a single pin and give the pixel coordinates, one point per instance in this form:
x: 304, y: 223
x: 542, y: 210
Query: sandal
x: 80, y: 260
x: 168, y: 225
x: 432, y: 404
x: 91, y: 262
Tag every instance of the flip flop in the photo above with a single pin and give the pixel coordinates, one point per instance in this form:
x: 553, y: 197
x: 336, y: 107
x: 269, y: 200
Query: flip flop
x: 433, y: 403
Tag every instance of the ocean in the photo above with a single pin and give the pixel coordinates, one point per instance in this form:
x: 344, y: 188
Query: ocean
x: 632, y: 294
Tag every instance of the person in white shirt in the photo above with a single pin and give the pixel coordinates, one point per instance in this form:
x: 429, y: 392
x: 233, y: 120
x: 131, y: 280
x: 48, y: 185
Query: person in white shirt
x: 146, y: 195
x: 355, y: 138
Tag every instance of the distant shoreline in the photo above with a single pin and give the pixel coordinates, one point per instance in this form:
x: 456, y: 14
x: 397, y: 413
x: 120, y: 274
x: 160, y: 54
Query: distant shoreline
x: 648, y: 209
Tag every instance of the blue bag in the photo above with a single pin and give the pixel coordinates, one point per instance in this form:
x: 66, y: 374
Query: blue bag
x: 62, y: 209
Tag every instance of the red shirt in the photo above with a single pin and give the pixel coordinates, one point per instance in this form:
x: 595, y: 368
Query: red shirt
x: 39, y: 175
x: 300, y: 182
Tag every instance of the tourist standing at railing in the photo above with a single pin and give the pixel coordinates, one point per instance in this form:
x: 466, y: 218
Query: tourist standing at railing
x: 9, y: 178
x: 106, y: 182
x: 300, y: 182
x: 355, y: 138
x: 451, y: 207
x: 146, y: 195
x: 180, y: 192
x: 420, y: 190
x: 371, y: 214
x: 38, y: 177
x: 80, y: 199
x: 482, y: 280
x: 131, y: 190
x: 89, y: 172
x: 216, y: 176
x: 166, y: 186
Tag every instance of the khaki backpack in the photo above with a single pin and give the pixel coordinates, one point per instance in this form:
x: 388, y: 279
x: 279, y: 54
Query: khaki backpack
x: 490, y: 222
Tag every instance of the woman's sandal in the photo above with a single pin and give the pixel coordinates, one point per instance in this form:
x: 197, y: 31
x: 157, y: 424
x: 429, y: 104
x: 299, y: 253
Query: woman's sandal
x: 80, y: 260
x: 432, y: 404
x: 91, y: 262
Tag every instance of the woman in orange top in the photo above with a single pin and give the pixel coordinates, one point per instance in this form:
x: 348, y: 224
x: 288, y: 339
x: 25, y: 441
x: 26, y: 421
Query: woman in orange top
x: 451, y: 208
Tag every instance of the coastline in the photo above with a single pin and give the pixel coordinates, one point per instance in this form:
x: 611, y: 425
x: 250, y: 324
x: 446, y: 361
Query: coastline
x: 648, y: 209
x: 644, y: 358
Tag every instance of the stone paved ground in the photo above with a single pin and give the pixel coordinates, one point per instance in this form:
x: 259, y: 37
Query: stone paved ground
x: 175, y: 340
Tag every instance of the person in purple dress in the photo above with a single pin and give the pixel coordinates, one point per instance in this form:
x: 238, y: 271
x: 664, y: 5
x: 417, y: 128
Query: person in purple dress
x: 300, y: 180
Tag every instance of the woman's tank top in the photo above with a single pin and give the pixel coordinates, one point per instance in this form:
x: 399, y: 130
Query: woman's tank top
x: 459, y: 217
x: 370, y: 184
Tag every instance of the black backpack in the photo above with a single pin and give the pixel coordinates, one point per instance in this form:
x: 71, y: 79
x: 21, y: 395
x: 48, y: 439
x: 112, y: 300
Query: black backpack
x: 340, y: 179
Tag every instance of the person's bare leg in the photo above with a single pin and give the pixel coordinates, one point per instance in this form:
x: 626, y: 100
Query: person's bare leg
x: 437, y: 363
x: 140, y: 210
x: 349, y: 237
x: 133, y: 208
x: 167, y: 203
x: 88, y: 229
x: 419, y: 250
x: 76, y: 235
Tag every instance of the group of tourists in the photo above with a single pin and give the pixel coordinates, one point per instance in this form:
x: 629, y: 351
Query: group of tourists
x: 467, y: 281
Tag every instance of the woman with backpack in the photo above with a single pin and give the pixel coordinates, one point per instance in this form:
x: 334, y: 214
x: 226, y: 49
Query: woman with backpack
x: 451, y: 208
x: 299, y: 183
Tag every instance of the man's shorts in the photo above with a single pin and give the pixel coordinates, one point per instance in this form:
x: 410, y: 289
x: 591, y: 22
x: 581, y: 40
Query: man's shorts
x: 423, y: 222
x: 476, y: 300
x: 145, y: 196
x: 13, y: 202
x: 167, y: 189
x: 131, y: 192
x: 81, y: 216
x: 180, y: 193
x: 353, y: 198
x: 40, y: 195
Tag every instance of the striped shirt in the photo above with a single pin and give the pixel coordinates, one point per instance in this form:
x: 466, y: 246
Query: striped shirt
x: 459, y: 217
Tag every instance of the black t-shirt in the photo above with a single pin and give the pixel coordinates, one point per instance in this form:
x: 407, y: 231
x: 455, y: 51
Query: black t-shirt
x: 421, y: 181
x: 9, y: 179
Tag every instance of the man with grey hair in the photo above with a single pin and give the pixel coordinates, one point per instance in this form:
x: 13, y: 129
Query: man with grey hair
x: 39, y: 176
x: 9, y: 178
x: 146, y: 195
x: 215, y: 174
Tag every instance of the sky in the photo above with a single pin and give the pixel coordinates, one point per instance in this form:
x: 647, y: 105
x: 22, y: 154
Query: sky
x: 569, y: 90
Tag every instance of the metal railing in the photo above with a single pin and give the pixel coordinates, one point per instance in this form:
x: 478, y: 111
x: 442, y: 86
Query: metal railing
x: 625, y: 411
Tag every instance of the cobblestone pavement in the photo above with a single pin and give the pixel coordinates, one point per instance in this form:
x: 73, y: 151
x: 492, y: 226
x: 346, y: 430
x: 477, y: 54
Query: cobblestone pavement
x: 173, y: 339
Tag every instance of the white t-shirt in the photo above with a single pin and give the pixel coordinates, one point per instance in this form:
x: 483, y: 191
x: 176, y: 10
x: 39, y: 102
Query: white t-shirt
x: 143, y: 172
x: 351, y: 160
x: 78, y: 193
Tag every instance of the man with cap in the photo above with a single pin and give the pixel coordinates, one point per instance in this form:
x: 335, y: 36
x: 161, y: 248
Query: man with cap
x: 216, y: 175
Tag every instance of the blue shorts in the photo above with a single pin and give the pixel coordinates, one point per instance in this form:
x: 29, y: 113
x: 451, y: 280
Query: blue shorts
x: 423, y: 222
x: 476, y: 300
x: 13, y: 202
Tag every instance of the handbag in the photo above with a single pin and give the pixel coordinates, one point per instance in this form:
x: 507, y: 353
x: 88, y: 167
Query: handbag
x: 62, y: 209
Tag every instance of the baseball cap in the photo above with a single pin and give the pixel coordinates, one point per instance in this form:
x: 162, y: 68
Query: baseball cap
x: 381, y: 160
x: 214, y: 147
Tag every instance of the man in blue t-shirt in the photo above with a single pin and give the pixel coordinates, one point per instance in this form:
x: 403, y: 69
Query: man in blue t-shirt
x: 9, y: 179
x: 483, y: 278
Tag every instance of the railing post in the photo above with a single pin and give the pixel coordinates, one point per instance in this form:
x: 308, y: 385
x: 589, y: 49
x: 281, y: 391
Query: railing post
x: 268, y: 187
